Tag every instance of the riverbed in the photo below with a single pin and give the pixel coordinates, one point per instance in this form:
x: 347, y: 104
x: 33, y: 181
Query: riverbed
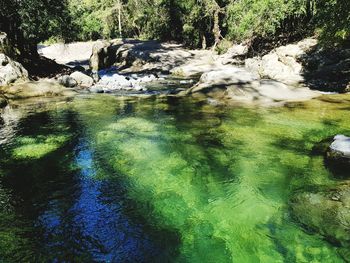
x: 105, y: 178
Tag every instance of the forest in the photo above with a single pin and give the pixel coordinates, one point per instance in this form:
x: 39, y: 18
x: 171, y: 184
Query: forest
x: 196, y: 23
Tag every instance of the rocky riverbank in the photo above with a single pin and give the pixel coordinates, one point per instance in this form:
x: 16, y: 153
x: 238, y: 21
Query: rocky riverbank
x: 283, y: 75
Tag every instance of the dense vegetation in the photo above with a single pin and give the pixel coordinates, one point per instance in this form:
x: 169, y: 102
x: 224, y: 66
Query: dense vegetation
x: 198, y: 23
x: 29, y: 22
x: 206, y: 22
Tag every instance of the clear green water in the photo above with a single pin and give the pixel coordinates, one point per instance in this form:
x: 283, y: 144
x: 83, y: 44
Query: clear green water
x: 107, y: 179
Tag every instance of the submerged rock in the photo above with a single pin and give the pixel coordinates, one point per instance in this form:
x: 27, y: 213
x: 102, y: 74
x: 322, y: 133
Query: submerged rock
x: 11, y: 71
x: 326, y: 211
x: 338, y: 156
x: 82, y: 79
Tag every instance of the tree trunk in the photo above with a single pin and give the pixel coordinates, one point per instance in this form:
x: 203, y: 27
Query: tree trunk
x: 309, y: 9
x: 204, y: 42
x: 216, y: 27
x: 120, y: 18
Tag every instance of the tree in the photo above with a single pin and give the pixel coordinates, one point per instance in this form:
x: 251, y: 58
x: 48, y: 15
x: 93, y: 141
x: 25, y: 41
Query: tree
x: 333, y: 20
x: 29, y: 22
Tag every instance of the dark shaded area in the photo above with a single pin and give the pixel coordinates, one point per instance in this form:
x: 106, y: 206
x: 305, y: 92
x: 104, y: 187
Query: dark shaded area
x: 54, y: 210
x: 41, y: 67
x: 327, y: 69
x: 260, y: 46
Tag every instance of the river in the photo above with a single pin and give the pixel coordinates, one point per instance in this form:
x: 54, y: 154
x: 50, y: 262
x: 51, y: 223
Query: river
x: 104, y: 178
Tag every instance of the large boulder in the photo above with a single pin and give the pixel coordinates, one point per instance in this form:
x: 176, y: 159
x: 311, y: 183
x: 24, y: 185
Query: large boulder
x: 282, y: 64
x: 36, y: 89
x: 11, y: 71
x: 225, y: 76
x: 82, y: 79
x: 103, y: 55
x: 326, y: 211
x: 338, y: 156
x: 237, y: 84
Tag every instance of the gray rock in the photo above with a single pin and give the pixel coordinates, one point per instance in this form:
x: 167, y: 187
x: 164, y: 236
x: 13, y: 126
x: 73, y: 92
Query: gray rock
x: 36, y: 89
x: 341, y: 146
x: 326, y: 211
x: 338, y: 156
x: 11, y: 71
x: 103, y: 55
x: 67, y: 81
x: 240, y: 85
x: 282, y: 64
x: 82, y: 79
x: 96, y: 89
x: 224, y: 77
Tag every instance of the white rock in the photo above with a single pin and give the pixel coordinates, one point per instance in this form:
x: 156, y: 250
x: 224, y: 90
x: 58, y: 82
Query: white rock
x: 11, y: 71
x: 82, y: 79
x: 67, y: 81
x: 227, y: 76
x: 341, y: 144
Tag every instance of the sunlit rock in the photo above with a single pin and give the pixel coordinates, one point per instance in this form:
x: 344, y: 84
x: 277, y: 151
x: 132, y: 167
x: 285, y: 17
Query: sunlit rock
x: 67, y: 81
x: 36, y: 89
x: 11, y: 71
x: 82, y: 79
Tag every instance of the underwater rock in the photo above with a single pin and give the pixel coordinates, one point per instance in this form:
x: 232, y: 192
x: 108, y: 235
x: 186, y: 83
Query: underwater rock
x: 338, y: 156
x: 326, y: 211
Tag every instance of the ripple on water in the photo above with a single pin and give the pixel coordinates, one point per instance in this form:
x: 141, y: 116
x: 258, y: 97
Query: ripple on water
x: 144, y: 180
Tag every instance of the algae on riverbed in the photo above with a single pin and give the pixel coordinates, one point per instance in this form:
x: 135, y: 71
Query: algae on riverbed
x: 36, y: 147
x: 216, y: 180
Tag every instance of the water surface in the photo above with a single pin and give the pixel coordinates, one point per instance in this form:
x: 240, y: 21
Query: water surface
x: 111, y: 179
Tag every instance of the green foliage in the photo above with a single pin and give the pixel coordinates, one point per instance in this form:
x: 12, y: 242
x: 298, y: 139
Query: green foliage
x: 197, y: 23
x: 248, y: 18
x: 223, y: 46
x: 31, y: 21
x: 333, y: 18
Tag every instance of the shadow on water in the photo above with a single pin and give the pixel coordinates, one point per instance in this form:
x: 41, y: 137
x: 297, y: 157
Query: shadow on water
x: 167, y: 179
x: 60, y: 212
